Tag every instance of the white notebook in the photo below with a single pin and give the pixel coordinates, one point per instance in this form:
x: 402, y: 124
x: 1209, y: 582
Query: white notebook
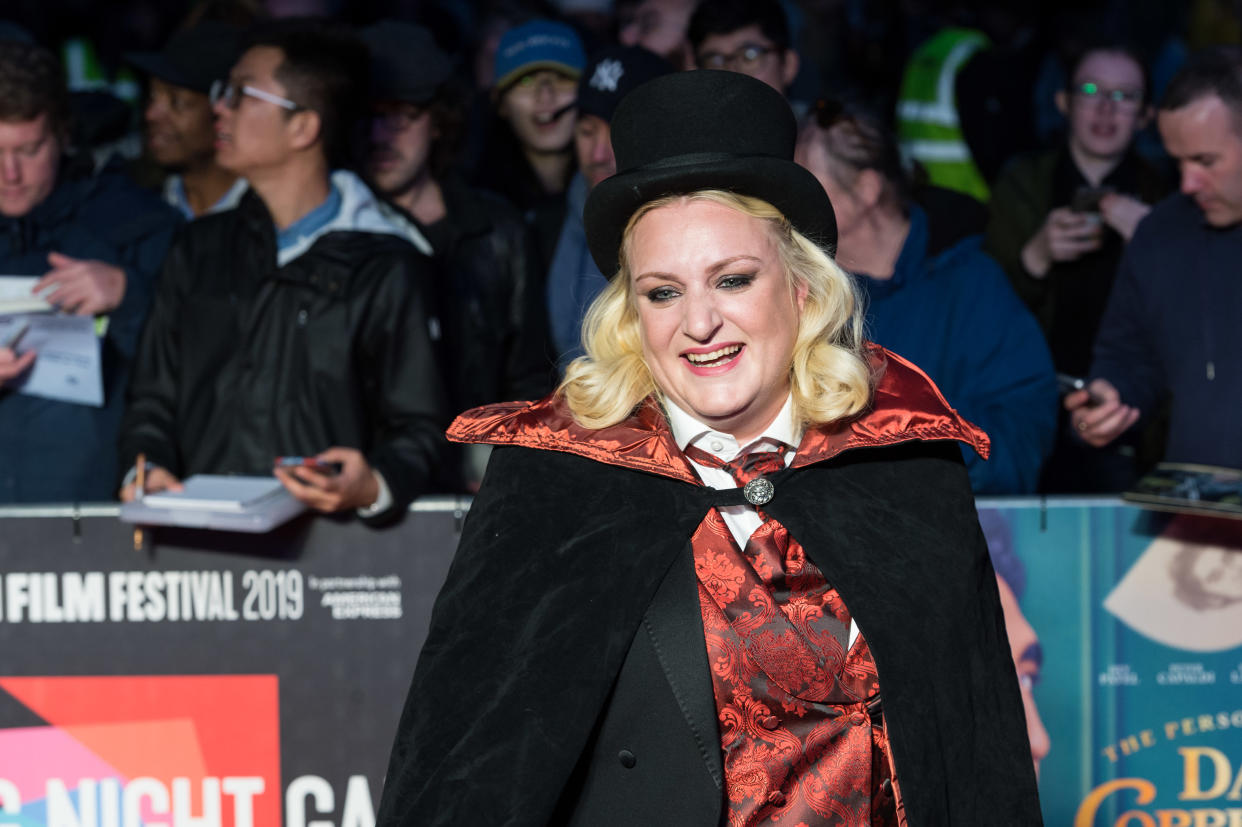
x: 15, y: 295
x: 219, y: 492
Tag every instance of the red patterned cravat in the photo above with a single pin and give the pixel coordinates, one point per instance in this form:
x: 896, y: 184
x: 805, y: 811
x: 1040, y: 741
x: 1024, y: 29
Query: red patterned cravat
x: 781, y: 568
x: 797, y: 739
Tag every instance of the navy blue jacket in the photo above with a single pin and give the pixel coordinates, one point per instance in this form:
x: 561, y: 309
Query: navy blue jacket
x: 57, y: 451
x: 1174, y: 326
x: 573, y: 279
x: 954, y: 315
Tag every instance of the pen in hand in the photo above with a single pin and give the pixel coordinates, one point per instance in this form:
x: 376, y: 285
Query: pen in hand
x: 140, y: 488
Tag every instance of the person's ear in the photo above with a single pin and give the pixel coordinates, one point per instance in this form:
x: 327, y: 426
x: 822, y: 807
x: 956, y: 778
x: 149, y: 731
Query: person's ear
x: 1144, y: 117
x: 801, y: 290
x: 1061, y: 99
x: 305, y: 128
x: 790, y: 62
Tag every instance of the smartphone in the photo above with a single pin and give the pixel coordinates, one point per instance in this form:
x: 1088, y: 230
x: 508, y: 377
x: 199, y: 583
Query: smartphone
x: 1087, y: 199
x: 1068, y: 384
x: 330, y: 469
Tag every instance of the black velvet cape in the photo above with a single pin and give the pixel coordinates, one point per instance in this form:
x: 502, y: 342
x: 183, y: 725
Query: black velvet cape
x: 559, y: 560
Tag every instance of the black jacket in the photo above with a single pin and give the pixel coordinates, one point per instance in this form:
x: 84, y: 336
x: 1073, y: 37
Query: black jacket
x: 490, y: 302
x: 242, y: 361
x: 564, y: 679
x: 57, y: 451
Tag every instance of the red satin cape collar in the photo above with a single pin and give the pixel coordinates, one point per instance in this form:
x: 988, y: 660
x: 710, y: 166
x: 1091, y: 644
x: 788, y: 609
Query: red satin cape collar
x: 906, y: 406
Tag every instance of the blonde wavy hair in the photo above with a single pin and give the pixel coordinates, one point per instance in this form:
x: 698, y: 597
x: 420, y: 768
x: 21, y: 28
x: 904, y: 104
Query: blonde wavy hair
x: 829, y: 374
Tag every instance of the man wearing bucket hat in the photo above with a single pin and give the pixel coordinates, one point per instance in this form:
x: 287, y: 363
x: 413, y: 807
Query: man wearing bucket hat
x: 180, y: 128
x: 573, y: 280
x: 731, y: 572
x: 530, y: 158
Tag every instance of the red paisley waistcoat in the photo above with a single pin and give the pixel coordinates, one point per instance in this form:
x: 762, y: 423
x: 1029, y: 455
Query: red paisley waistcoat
x: 802, y: 736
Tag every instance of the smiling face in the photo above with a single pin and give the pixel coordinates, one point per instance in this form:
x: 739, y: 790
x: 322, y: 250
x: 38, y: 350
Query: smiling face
x: 716, y: 313
x: 180, y: 128
x: 535, y: 107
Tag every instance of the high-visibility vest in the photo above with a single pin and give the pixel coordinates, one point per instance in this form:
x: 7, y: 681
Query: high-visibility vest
x: 927, y: 122
x: 85, y: 72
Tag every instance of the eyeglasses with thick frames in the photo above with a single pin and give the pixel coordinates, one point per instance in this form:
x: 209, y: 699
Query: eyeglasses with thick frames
x: 1090, y: 91
x: 746, y: 59
x: 230, y: 94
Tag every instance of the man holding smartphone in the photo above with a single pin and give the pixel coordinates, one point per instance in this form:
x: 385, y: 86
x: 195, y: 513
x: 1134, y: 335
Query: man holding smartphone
x: 297, y: 323
x: 1171, y: 326
x: 1059, y: 222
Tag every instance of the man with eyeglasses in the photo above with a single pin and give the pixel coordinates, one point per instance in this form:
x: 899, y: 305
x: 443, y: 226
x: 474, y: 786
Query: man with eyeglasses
x: 1059, y: 222
x: 180, y: 128
x: 747, y: 36
x: 1171, y: 325
x: 93, y: 242
x: 495, y: 329
x: 299, y: 323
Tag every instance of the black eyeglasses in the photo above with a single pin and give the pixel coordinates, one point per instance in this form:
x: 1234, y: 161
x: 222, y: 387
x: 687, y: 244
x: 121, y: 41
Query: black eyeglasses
x: 1124, y: 98
x: 745, y: 59
x: 230, y: 94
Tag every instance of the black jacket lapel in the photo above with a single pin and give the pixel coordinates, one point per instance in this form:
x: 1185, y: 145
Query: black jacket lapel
x: 675, y: 627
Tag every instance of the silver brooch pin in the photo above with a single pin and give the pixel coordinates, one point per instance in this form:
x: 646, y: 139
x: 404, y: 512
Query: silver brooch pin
x: 759, y: 491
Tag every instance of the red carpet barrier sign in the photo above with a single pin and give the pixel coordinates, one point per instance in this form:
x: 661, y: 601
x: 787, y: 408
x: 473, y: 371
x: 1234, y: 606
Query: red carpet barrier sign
x: 210, y: 680
x: 218, y: 680
x: 1136, y: 713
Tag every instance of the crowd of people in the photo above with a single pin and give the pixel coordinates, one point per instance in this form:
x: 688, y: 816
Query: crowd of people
x: 333, y: 242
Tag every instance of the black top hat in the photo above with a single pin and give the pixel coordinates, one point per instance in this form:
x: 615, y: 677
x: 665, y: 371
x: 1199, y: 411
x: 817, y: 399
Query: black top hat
x: 697, y: 130
x: 194, y: 58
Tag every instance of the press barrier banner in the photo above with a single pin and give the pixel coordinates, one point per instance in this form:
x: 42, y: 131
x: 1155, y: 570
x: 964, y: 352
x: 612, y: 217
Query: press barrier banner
x: 209, y: 678
x: 212, y: 679
x: 1129, y: 627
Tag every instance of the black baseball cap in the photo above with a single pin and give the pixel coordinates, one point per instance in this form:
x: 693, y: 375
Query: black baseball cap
x: 194, y: 58
x: 406, y: 63
x: 610, y: 75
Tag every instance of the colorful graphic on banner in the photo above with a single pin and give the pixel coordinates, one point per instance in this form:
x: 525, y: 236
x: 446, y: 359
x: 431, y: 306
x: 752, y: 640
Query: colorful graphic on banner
x: 1135, y: 710
x: 141, y: 750
x: 214, y: 658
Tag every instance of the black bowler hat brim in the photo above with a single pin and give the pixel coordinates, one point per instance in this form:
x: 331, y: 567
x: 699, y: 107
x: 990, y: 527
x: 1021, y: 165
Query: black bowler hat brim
x: 699, y: 130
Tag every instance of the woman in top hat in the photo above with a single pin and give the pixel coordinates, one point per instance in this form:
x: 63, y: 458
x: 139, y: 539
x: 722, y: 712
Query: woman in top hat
x: 731, y: 572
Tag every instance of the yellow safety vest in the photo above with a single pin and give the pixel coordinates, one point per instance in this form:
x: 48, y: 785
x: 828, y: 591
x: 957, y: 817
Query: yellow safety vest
x: 927, y: 122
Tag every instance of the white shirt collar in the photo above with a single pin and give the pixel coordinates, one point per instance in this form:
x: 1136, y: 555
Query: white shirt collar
x: 687, y: 430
